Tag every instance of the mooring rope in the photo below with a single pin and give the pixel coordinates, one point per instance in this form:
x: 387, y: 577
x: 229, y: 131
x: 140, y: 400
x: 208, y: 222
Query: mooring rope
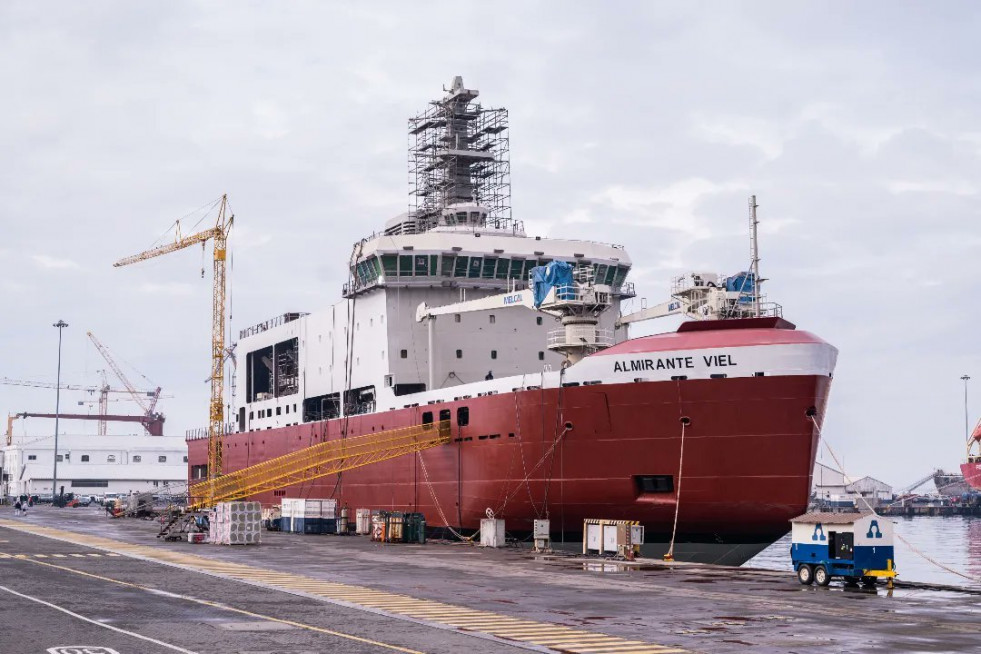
x: 669, y: 556
x: 439, y: 509
x: 899, y: 537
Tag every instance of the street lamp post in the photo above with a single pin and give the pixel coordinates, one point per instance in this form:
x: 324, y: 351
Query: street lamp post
x: 61, y: 324
x: 965, y: 379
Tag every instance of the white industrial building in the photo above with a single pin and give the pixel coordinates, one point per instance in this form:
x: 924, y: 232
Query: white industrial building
x: 93, y: 465
x: 831, y: 485
x: 871, y: 489
x: 828, y: 483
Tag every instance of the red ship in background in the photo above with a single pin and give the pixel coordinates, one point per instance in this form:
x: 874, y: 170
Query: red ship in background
x: 454, y: 314
x: 971, y: 469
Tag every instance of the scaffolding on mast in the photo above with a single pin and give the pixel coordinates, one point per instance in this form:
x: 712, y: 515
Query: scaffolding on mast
x: 459, y: 153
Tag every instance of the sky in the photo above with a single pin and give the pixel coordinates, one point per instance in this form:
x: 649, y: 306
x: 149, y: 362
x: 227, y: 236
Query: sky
x: 642, y: 123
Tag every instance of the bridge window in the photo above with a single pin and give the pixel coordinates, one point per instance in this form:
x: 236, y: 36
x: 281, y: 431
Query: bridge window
x: 390, y: 264
x: 503, y: 266
x: 490, y: 265
x: 621, y: 275
x: 460, y: 268
x: 475, y: 265
x: 463, y: 416
x: 516, y: 270
x: 405, y: 265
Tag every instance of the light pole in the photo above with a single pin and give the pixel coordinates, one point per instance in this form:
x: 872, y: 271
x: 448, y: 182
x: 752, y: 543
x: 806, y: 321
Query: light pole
x: 61, y: 324
x: 965, y: 379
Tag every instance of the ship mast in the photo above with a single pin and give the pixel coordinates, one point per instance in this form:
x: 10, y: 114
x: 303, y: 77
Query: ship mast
x: 459, y: 154
x: 754, y: 252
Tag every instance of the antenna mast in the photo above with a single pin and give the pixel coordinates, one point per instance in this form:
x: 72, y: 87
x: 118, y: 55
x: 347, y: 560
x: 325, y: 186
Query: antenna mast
x: 754, y: 251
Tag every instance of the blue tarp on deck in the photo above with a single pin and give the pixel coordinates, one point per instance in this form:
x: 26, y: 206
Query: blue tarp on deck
x: 742, y: 283
x: 557, y: 274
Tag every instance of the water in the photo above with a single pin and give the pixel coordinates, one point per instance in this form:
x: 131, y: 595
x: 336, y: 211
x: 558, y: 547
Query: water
x: 953, y: 541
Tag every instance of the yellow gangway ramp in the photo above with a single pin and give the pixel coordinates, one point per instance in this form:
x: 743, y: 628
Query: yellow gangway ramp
x: 320, y: 460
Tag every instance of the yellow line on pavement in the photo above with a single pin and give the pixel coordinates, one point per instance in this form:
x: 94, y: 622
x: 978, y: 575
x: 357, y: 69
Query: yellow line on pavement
x: 464, y: 620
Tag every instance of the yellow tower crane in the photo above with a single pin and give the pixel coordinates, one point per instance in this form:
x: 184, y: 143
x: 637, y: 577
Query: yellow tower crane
x: 219, y: 235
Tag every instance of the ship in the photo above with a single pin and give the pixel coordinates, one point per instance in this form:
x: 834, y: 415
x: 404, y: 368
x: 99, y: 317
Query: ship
x: 949, y: 483
x: 971, y: 468
x: 452, y: 314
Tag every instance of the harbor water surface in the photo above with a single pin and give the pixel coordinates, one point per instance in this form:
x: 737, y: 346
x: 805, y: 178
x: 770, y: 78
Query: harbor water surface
x: 953, y: 542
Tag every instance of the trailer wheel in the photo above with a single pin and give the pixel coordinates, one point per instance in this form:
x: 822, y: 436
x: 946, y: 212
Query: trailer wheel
x: 805, y: 575
x: 821, y: 576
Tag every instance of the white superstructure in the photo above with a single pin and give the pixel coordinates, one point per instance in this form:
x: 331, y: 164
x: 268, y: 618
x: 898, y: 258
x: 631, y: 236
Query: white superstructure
x: 458, y: 242
x: 93, y: 465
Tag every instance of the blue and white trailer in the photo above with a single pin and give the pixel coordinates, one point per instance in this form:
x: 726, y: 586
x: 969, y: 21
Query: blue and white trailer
x: 855, y: 546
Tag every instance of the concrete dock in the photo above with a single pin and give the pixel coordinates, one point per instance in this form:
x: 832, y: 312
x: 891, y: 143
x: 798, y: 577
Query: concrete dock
x: 72, y: 577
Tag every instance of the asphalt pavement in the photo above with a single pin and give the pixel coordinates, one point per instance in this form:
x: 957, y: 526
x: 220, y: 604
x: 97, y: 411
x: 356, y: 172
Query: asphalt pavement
x: 73, y: 577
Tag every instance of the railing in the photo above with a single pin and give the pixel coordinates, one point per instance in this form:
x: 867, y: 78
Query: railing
x: 580, y: 295
x: 320, y: 460
x: 198, y: 434
x: 272, y: 322
x: 625, y: 290
x: 559, y: 338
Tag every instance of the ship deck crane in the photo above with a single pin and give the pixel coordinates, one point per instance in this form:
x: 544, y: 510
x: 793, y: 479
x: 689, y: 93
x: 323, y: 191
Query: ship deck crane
x: 219, y: 237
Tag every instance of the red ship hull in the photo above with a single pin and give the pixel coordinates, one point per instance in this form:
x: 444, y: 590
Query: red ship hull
x: 749, y: 451
x: 972, y: 474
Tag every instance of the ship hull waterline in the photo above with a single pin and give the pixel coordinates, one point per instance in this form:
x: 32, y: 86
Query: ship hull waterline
x: 749, y: 449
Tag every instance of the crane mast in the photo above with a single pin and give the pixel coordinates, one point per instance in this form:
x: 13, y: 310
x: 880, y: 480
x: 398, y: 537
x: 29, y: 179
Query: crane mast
x: 219, y: 237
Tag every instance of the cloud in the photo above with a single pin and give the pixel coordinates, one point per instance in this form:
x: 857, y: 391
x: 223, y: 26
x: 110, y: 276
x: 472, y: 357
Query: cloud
x: 672, y: 206
x: 172, y: 289
x: 53, y: 263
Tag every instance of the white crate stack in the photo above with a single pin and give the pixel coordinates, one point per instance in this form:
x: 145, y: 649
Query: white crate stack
x: 236, y: 523
x: 296, y: 511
